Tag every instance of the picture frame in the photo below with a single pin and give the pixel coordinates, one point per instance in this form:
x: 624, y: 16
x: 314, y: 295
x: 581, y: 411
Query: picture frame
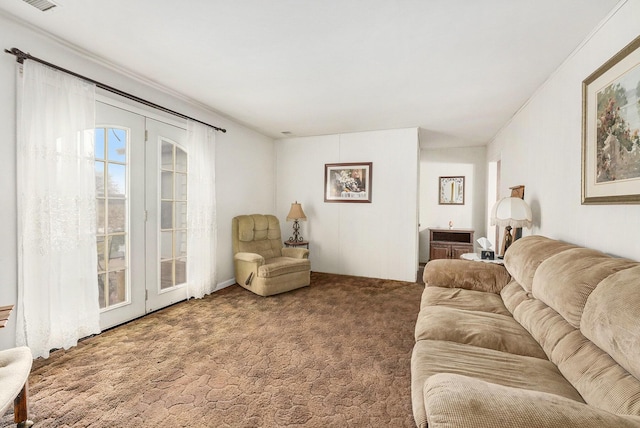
x: 611, y: 130
x: 451, y: 190
x: 348, y: 182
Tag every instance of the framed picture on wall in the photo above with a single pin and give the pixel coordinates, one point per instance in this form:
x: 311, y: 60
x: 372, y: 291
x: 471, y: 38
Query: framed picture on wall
x: 451, y: 190
x: 611, y: 130
x: 348, y: 182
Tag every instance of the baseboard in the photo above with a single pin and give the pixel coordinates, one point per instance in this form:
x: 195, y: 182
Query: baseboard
x: 225, y: 284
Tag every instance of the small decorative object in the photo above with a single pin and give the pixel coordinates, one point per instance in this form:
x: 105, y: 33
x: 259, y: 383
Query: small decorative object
x: 450, y: 224
x: 486, y: 252
x: 347, y: 182
x: 509, y: 213
x: 295, y: 214
x: 611, y: 130
x: 451, y: 191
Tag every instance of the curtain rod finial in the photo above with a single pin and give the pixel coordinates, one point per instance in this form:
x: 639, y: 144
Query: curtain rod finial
x: 20, y: 56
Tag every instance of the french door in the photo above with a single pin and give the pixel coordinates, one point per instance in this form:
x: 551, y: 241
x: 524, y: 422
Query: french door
x: 141, y: 175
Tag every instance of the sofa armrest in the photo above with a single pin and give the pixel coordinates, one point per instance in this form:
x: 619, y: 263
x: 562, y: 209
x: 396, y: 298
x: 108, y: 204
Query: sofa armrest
x: 296, y: 253
x: 459, y: 401
x: 471, y: 275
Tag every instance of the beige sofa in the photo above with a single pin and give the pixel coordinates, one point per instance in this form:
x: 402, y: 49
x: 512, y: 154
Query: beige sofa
x: 552, y: 341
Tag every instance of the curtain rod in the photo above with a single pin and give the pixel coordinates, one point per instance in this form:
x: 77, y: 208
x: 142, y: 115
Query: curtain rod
x: 21, y: 56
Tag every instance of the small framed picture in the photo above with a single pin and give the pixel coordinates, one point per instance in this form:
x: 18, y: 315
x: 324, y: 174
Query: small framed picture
x: 451, y: 190
x: 348, y: 182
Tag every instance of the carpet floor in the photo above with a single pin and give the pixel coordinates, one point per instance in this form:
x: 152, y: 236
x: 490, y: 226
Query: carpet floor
x: 335, y: 354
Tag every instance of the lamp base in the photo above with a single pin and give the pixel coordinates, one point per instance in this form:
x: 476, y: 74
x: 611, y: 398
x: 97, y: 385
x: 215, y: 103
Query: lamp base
x: 296, y: 233
x: 507, y: 240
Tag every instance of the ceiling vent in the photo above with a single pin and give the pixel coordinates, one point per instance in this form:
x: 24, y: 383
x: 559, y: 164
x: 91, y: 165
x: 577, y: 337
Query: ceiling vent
x: 43, y: 5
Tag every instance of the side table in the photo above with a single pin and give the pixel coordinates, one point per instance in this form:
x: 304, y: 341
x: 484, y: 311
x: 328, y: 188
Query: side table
x: 4, y: 314
x: 297, y: 244
x: 474, y: 257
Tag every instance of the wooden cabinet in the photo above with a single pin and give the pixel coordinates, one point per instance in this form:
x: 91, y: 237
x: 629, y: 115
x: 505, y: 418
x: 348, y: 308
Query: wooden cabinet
x: 449, y: 243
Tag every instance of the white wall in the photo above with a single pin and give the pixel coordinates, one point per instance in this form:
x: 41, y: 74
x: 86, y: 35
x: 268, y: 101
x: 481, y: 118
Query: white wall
x: 245, y: 176
x: 469, y: 162
x: 373, y: 240
x: 541, y: 148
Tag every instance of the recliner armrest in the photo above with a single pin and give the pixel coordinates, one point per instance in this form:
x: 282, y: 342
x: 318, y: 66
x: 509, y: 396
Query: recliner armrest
x: 249, y: 257
x: 470, y: 275
x: 296, y: 253
x: 461, y: 401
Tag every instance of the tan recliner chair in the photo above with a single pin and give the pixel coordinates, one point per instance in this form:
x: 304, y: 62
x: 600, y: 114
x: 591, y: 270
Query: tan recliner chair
x: 261, y: 263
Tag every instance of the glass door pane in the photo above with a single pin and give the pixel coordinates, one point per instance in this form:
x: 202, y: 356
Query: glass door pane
x: 166, y: 202
x: 173, y: 214
x: 120, y: 241
x: 111, y: 209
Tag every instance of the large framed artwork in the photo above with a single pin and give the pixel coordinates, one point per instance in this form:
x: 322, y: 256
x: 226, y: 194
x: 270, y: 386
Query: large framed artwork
x: 610, y: 130
x: 451, y: 190
x: 348, y: 182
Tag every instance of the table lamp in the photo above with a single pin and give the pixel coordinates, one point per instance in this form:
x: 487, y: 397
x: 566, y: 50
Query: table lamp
x: 510, y: 213
x: 295, y: 214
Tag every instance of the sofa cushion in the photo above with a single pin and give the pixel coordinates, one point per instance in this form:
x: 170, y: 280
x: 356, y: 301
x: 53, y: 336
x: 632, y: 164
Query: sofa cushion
x: 434, y: 356
x: 525, y: 255
x: 600, y: 380
x: 565, y: 280
x: 463, y: 299
x: 513, y: 294
x: 460, y: 401
x: 611, y: 318
x: 467, y: 274
x: 483, y: 329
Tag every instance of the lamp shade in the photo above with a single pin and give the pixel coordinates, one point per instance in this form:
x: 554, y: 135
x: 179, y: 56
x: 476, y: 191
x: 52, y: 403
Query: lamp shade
x: 296, y: 213
x: 512, y: 212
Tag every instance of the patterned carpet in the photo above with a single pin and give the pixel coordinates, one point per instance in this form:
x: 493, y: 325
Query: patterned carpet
x: 335, y: 354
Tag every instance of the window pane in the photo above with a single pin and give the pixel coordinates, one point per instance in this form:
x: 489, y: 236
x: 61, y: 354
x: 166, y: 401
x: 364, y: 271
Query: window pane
x: 117, y: 145
x: 181, y: 160
x: 166, y: 185
x: 101, y: 260
x: 100, y: 216
x: 181, y: 243
x: 99, y: 179
x: 181, y: 187
x: 117, y: 252
x: 166, y: 245
x: 181, y: 215
x: 101, y: 281
x: 117, y: 287
x: 167, y: 156
x: 181, y: 271
x: 166, y: 215
x: 99, y: 143
x: 116, y: 180
x: 117, y: 215
x: 166, y: 274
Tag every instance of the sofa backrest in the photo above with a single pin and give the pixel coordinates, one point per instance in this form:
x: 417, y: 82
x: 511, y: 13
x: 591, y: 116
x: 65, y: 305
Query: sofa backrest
x: 583, y: 307
x: 257, y: 233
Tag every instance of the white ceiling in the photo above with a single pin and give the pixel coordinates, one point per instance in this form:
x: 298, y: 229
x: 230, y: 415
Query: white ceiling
x: 458, y: 69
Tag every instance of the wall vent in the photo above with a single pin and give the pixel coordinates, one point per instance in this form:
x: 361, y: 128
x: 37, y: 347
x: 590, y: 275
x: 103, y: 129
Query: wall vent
x: 43, y: 5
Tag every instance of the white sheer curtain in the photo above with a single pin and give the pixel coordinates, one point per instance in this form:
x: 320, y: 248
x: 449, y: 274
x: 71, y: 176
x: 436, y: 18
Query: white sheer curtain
x: 57, y: 255
x: 201, y: 210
